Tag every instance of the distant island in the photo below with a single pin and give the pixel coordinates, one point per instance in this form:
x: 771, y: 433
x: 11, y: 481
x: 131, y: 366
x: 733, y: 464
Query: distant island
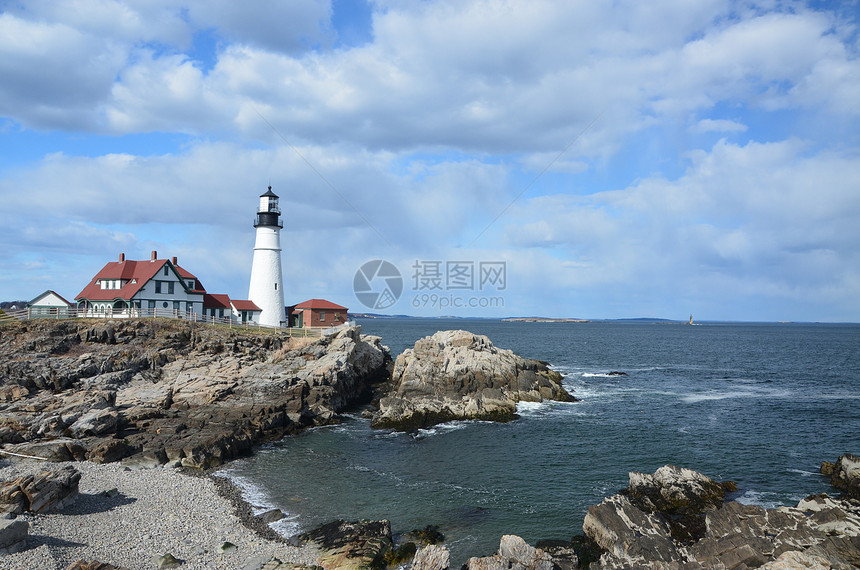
x: 542, y: 320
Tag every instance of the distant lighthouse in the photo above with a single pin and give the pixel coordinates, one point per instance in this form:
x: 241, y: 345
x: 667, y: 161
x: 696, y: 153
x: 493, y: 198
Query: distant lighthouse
x: 266, y: 290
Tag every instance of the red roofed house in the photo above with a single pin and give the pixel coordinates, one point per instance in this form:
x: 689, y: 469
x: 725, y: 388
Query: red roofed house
x: 222, y: 306
x: 316, y: 313
x: 157, y: 287
x: 215, y: 304
x: 246, y: 311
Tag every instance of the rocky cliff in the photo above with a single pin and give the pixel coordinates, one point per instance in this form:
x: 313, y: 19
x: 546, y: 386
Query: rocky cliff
x: 169, y: 390
x: 457, y: 375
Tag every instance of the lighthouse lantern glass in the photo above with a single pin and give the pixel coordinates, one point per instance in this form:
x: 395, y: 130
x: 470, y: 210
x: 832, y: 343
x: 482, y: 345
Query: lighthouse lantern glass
x: 269, y: 204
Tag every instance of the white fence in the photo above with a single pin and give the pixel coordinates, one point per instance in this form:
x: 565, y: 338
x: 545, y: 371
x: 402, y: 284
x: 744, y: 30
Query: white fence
x: 32, y: 313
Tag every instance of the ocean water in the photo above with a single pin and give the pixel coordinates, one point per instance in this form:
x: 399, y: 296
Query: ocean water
x: 760, y: 404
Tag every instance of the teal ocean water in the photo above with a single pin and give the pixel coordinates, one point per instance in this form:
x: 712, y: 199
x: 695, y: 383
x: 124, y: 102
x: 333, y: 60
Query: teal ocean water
x: 761, y: 404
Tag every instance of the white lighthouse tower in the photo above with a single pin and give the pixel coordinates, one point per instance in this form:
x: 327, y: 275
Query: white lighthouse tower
x: 266, y: 290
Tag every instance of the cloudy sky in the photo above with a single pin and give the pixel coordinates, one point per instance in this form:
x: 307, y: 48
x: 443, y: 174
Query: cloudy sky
x: 621, y: 159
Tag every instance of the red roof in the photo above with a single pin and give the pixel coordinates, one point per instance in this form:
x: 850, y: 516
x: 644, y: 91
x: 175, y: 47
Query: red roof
x: 216, y: 301
x: 138, y: 271
x: 185, y: 274
x: 320, y: 304
x: 245, y: 305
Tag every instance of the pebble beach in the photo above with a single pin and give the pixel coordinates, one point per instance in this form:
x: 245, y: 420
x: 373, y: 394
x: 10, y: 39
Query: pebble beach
x: 132, y: 517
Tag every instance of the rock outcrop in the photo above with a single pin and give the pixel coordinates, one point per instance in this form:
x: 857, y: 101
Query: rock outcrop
x: 166, y: 390
x: 457, y: 375
x: 432, y: 557
x: 347, y: 545
x: 45, y: 492
x: 678, y: 518
x: 514, y: 553
x: 844, y: 474
x: 13, y: 535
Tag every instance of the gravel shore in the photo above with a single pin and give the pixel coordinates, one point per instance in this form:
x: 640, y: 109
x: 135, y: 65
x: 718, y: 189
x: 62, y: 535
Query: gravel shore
x: 132, y: 517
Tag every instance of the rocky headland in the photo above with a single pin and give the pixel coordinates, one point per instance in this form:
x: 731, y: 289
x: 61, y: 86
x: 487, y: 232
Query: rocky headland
x: 163, y: 390
x: 458, y: 375
x: 131, y: 400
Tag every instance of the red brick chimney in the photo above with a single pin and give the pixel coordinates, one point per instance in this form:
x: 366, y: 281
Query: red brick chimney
x: 173, y: 260
x: 154, y: 255
x: 121, y: 257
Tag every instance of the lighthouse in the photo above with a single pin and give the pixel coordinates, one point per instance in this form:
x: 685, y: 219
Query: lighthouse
x: 266, y: 289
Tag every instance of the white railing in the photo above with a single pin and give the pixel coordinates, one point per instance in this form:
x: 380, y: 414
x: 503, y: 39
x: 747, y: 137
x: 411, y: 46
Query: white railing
x: 32, y: 313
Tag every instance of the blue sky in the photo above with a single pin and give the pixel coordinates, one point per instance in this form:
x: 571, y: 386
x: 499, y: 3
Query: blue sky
x: 622, y: 159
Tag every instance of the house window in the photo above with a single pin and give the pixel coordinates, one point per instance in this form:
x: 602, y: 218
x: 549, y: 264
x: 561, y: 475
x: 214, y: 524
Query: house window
x: 150, y: 304
x: 221, y: 313
x: 189, y: 307
x: 165, y: 271
x: 165, y: 304
x: 170, y: 288
x: 322, y: 315
x: 276, y: 286
x: 191, y: 284
x: 158, y: 286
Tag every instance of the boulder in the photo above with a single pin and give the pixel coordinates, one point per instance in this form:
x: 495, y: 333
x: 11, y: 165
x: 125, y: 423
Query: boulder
x: 458, y: 375
x: 844, y: 474
x: 628, y: 533
x: 96, y: 422
x: 347, y: 545
x: 110, y: 450
x: 44, y: 492
x: 272, y: 515
x: 514, y: 553
x: 55, y: 450
x: 678, y: 518
x: 432, y: 557
x: 681, y: 495
x: 92, y: 565
x: 13, y: 535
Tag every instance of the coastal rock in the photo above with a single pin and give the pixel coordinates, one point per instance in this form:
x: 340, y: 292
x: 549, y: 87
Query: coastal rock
x: 629, y: 534
x: 166, y: 561
x: 347, y: 545
x: 171, y: 390
x: 45, y: 492
x: 844, y: 474
x: 514, y: 552
x: 678, y: 518
x: 13, y: 535
x: 457, y: 375
x: 432, y: 557
x: 57, y: 450
x: 272, y: 515
x: 92, y: 565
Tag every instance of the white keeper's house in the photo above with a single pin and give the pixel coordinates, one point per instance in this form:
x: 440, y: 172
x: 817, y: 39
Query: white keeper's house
x: 157, y: 287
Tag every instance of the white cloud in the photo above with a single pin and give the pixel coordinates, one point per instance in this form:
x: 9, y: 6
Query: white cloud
x: 53, y: 75
x: 718, y: 126
x: 766, y: 217
x: 278, y: 26
x: 426, y: 133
